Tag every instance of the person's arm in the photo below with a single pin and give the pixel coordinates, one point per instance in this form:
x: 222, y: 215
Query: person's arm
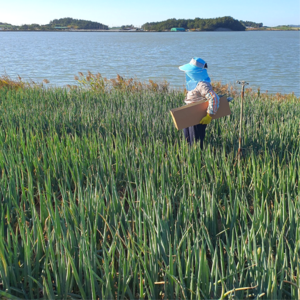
x: 213, y: 102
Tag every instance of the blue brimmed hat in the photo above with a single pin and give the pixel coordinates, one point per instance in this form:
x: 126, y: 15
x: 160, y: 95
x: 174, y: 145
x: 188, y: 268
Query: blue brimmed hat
x: 196, y: 63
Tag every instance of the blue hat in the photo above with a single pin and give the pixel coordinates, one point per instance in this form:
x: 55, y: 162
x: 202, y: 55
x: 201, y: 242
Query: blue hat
x: 195, y: 64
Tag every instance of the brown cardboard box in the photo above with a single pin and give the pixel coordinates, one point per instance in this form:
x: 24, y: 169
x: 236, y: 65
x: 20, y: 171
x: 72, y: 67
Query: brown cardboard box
x: 192, y: 114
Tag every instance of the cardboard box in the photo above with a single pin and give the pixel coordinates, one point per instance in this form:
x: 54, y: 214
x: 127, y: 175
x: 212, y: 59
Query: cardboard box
x: 192, y: 114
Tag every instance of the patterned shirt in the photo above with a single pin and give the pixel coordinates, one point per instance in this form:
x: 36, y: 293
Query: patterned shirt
x: 201, y: 93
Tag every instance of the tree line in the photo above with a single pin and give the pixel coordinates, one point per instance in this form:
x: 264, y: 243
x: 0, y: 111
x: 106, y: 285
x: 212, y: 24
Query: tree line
x: 77, y: 23
x: 251, y: 24
x: 197, y: 24
x: 63, y: 22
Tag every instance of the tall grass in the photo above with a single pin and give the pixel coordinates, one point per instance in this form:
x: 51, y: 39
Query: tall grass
x: 101, y: 198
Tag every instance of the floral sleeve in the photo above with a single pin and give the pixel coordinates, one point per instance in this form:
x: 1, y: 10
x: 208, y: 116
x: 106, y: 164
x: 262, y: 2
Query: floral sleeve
x: 213, y: 102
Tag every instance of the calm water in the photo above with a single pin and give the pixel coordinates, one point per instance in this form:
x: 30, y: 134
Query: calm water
x: 270, y: 60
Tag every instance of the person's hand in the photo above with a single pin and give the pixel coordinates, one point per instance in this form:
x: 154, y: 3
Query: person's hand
x: 206, y: 120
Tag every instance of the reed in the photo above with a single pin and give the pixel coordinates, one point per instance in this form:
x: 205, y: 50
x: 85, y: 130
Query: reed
x: 101, y: 198
x: 8, y: 83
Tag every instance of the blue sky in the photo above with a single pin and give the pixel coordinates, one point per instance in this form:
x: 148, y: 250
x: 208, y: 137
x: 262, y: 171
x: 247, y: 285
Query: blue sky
x: 137, y: 12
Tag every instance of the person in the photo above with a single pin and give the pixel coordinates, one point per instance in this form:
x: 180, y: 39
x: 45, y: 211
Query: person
x: 199, y: 89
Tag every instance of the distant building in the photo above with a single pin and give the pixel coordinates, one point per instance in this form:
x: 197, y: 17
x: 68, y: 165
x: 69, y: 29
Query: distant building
x: 177, y: 29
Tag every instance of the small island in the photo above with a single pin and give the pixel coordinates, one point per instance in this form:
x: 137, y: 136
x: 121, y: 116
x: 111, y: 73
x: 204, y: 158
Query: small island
x: 197, y: 24
x: 63, y: 24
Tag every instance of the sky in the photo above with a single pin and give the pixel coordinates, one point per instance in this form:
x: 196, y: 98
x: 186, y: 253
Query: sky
x: 137, y: 12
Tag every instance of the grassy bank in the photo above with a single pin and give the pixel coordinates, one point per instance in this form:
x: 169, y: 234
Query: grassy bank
x: 100, y: 197
x: 277, y: 28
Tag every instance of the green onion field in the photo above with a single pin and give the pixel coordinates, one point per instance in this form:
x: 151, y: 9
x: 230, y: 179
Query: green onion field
x: 101, y: 197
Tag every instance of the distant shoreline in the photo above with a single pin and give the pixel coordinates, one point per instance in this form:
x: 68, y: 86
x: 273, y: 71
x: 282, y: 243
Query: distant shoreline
x: 147, y: 31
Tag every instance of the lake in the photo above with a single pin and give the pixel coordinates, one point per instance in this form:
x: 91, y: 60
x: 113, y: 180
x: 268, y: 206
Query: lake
x: 266, y: 59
